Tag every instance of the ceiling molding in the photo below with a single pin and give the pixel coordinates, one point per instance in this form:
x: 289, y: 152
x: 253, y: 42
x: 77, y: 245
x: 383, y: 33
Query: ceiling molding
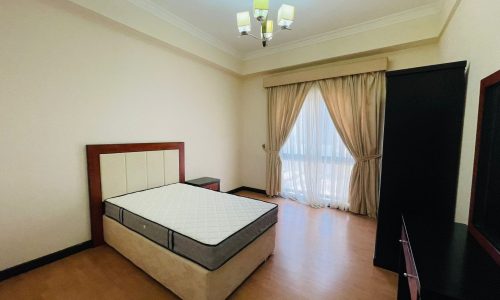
x: 420, y: 24
x: 404, y: 16
x: 143, y: 21
x: 447, y: 13
x: 182, y: 24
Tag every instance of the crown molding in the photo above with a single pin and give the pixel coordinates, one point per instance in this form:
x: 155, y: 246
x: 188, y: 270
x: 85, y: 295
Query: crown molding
x: 423, y: 11
x: 422, y: 23
x: 182, y: 24
x: 447, y: 13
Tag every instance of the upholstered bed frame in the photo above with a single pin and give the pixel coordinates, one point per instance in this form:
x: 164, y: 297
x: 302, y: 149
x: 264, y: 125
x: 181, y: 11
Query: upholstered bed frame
x: 117, y: 169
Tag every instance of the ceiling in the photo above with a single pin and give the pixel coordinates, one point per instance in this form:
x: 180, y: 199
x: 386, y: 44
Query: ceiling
x: 324, y: 30
x: 313, y: 17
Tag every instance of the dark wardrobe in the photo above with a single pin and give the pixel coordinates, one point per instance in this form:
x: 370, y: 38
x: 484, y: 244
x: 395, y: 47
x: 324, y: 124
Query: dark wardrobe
x: 421, y: 151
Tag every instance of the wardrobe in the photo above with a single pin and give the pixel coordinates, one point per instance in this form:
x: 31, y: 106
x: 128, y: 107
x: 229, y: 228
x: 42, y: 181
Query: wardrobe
x: 417, y: 237
x: 421, y: 151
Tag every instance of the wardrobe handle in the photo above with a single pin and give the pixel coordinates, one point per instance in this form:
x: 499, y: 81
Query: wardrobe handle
x: 403, y: 242
x: 409, y: 275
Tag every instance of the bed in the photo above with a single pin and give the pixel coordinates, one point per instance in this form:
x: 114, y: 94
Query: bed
x: 198, y: 243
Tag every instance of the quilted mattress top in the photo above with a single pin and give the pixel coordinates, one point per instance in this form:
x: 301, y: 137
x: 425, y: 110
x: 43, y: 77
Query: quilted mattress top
x: 201, y: 214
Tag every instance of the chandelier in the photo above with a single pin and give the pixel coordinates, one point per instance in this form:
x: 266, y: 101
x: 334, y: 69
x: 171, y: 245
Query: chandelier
x: 286, y: 14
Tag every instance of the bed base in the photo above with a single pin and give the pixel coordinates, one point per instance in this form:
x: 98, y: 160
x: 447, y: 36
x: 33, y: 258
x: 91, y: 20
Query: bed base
x: 182, y: 276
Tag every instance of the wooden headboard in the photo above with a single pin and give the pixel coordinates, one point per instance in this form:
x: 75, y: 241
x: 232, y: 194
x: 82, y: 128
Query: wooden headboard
x: 116, y: 169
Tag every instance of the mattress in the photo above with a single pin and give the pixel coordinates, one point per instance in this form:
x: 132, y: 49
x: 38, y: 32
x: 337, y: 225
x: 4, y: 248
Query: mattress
x: 204, y: 226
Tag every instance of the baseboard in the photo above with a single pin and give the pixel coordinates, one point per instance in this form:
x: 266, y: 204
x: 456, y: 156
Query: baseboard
x: 44, y: 260
x: 246, y: 188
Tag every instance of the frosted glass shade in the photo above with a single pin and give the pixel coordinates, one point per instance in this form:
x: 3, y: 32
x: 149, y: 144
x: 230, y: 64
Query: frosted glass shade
x: 269, y: 26
x: 243, y: 20
x: 267, y: 29
x: 286, y: 15
x: 260, y: 9
x: 261, y: 4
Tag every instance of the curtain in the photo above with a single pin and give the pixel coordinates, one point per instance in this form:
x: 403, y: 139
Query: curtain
x: 316, y: 164
x: 284, y: 104
x: 356, y: 104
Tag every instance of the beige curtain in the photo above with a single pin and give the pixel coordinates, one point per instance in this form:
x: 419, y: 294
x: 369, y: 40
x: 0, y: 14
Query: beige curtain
x: 284, y: 104
x: 356, y: 104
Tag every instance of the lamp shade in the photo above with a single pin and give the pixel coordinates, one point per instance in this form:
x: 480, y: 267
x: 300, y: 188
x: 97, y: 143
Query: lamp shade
x: 267, y: 29
x: 243, y: 20
x: 269, y: 26
x: 286, y: 15
x: 261, y: 4
x: 260, y: 9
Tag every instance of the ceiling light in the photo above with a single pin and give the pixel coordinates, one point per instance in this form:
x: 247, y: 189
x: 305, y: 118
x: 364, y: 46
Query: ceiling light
x: 286, y: 15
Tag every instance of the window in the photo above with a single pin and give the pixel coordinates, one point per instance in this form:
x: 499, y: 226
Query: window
x: 316, y: 165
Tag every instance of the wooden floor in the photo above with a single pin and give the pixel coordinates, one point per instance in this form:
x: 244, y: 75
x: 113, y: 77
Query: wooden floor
x: 320, y: 254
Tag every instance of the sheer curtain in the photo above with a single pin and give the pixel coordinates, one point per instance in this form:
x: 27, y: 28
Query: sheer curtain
x: 316, y: 165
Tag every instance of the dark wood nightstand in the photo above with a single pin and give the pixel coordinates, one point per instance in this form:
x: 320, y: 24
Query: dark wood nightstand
x: 206, y: 183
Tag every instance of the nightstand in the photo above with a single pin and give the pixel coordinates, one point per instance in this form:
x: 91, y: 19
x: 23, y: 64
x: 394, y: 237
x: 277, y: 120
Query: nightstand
x: 206, y: 183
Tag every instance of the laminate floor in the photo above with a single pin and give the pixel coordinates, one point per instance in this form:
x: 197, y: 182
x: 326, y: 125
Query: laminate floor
x: 320, y: 254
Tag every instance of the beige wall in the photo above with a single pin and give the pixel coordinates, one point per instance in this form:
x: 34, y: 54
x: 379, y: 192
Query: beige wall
x: 389, y: 36
x: 68, y: 78
x: 471, y: 35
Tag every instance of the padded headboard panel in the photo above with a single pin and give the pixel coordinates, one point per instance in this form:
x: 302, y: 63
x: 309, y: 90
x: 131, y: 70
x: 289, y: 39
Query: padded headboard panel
x: 123, y: 173
x: 117, y: 169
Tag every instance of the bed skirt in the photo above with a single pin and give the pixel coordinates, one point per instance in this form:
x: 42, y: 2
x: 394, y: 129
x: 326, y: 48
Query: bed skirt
x: 187, y: 279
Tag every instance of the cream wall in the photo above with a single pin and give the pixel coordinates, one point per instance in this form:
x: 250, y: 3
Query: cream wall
x: 68, y: 78
x: 423, y: 29
x: 471, y: 35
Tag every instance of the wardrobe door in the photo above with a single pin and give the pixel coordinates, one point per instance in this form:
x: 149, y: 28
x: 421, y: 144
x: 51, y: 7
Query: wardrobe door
x: 421, y: 151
